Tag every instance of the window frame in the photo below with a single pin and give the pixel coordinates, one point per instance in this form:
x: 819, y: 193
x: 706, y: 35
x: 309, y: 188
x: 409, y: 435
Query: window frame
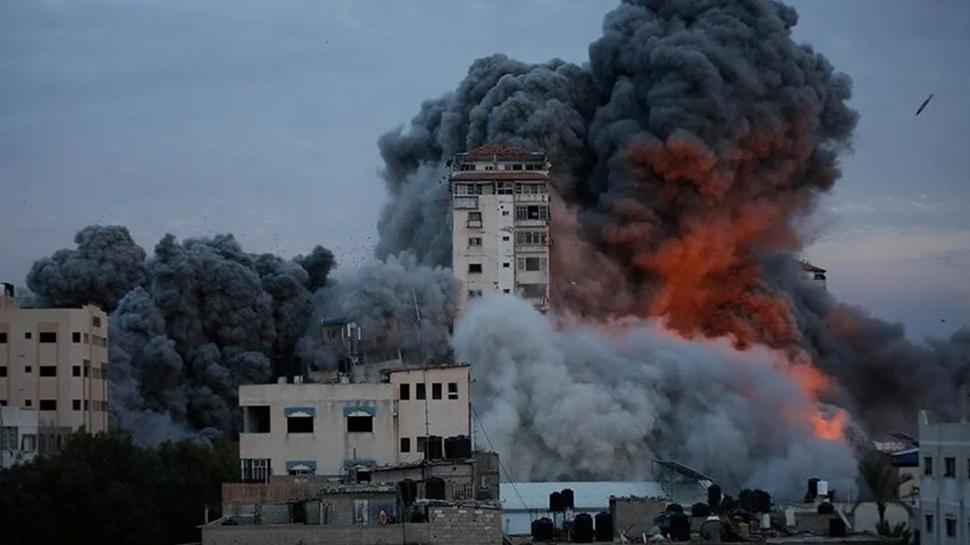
x: 404, y: 391
x: 355, y: 424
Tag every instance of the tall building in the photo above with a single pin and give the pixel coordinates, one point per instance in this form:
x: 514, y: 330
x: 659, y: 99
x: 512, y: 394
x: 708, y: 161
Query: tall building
x: 500, y: 223
x: 346, y: 429
x: 944, y: 486
x: 54, y: 361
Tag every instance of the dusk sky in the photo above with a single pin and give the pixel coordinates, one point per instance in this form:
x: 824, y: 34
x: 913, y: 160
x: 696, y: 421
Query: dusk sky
x: 261, y: 119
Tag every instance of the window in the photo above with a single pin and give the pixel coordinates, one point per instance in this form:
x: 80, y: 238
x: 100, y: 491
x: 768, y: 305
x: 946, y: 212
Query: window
x: 927, y: 465
x: 420, y: 391
x: 474, y: 220
x: 28, y: 442
x: 3, y: 402
x: 533, y: 264
x: 466, y: 203
x: 76, y: 404
x: 28, y: 403
x: 530, y: 189
x: 3, y: 337
x: 87, y: 339
x: 436, y: 390
x: 360, y: 424
x: 48, y: 371
x: 505, y: 188
x: 505, y: 238
x: 76, y: 370
x: 405, y: 392
x: 299, y: 424
x: 516, y: 166
x: 96, y: 321
x: 452, y: 390
x: 506, y: 290
x: 27, y: 335
x: 28, y: 369
x: 405, y: 444
x: 506, y: 265
x: 530, y: 238
x: 256, y: 419
x: 951, y: 527
x: 532, y: 291
x: 474, y: 268
x: 3, y: 371
x: 474, y: 242
x: 255, y: 470
x: 531, y: 212
x: 76, y: 337
x: 48, y: 404
x: 474, y: 293
x: 422, y: 444
x: 87, y: 404
x: 929, y: 523
x: 949, y: 467
x: 505, y: 212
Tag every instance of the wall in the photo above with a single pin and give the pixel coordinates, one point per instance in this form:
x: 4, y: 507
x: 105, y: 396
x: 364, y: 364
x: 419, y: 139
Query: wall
x: 944, y: 497
x: 330, y: 445
x: 89, y: 354
x: 445, y: 417
x: 468, y: 525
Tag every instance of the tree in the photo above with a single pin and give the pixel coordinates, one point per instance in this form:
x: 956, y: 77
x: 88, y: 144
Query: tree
x: 105, y: 489
x: 882, y: 481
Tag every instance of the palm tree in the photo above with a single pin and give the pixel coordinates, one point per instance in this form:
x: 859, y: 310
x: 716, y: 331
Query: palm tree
x: 883, y: 482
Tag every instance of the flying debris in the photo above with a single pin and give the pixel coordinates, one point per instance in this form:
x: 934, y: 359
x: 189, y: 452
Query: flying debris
x: 923, y: 105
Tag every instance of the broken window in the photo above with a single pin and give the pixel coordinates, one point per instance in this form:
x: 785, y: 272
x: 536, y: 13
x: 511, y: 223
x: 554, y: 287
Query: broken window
x: 256, y: 419
x: 360, y: 424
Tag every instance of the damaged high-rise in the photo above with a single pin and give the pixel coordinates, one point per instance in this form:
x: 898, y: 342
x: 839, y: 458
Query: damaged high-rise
x: 500, y: 223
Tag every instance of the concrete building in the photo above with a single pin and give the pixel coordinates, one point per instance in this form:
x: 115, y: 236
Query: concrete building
x: 18, y: 436
x: 346, y: 429
x: 944, y: 451
x: 500, y: 199
x: 815, y: 274
x: 54, y: 360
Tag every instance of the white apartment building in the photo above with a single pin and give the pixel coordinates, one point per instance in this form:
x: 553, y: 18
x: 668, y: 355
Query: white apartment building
x: 944, y: 450
x: 54, y: 360
x: 345, y: 429
x: 500, y: 223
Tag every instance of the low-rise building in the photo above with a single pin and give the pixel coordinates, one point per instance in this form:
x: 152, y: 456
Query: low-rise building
x: 18, y: 436
x: 944, y: 450
x: 345, y: 430
x: 55, y: 361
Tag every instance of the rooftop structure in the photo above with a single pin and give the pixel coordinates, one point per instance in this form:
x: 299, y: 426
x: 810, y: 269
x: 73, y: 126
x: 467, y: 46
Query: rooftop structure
x: 500, y: 223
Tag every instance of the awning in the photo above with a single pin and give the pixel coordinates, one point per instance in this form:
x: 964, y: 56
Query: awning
x: 360, y: 410
x: 301, y: 465
x: 300, y: 411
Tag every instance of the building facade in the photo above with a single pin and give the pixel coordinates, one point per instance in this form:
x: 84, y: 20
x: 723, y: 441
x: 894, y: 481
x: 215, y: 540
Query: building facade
x: 500, y: 199
x: 944, y: 486
x: 54, y: 361
x: 18, y: 436
x: 346, y: 429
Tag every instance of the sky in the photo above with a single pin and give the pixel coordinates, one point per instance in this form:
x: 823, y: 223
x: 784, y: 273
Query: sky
x: 262, y: 118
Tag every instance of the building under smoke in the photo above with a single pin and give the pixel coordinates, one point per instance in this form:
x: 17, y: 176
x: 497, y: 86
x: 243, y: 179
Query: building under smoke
x: 500, y: 224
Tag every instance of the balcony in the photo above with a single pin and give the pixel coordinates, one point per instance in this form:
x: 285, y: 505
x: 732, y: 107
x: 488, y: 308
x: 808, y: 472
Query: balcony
x: 473, y: 224
x: 531, y: 197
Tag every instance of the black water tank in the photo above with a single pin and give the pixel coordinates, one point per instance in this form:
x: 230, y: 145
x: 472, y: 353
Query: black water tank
x: 675, y: 508
x: 604, y: 526
x: 542, y: 530
x: 409, y: 491
x: 434, y: 488
x: 836, y: 527
x: 826, y: 508
x: 700, y: 510
x: 458, y: 447
x: 714, y: 498
x: 435, y: 448
x: 555, y: 502
x: 568, y: 499
x: 812, y: 491
x: 583, y: 528
x: 679, y: 527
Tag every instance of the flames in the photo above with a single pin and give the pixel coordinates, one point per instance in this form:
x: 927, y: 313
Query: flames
x: 830, y: 428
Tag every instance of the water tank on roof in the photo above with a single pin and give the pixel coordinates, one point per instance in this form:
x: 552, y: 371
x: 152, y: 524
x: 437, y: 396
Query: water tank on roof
x: 568, y: 499
x: 434, y: 488
x: 679, y: 527
x: 812, y: 491
x: 675, y: 508
x: 555, y: 502
x: 822, y: 488
x: 836, y: 527
x: 826, y: 508
x: 542, y: 530
x: 700, y: 510
x: 409, y: 491
x: 583, y: 528
x: 604, y: 526
x: 435, y: 448
x: 714, y: 498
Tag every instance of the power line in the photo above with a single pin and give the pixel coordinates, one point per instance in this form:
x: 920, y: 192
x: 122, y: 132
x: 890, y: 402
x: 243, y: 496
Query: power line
x: 500, y: 464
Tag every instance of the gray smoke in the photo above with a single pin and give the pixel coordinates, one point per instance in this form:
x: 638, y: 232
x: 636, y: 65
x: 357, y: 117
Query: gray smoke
x: 404, y: 309
x: 604, y: 401
x: 105, y: 266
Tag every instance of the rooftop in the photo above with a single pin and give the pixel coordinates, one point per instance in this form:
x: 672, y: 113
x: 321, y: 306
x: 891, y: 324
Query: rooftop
x: 502, y: 152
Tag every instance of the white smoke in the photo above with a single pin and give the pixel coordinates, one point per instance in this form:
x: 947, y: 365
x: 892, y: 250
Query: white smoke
x: 602, y: 401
